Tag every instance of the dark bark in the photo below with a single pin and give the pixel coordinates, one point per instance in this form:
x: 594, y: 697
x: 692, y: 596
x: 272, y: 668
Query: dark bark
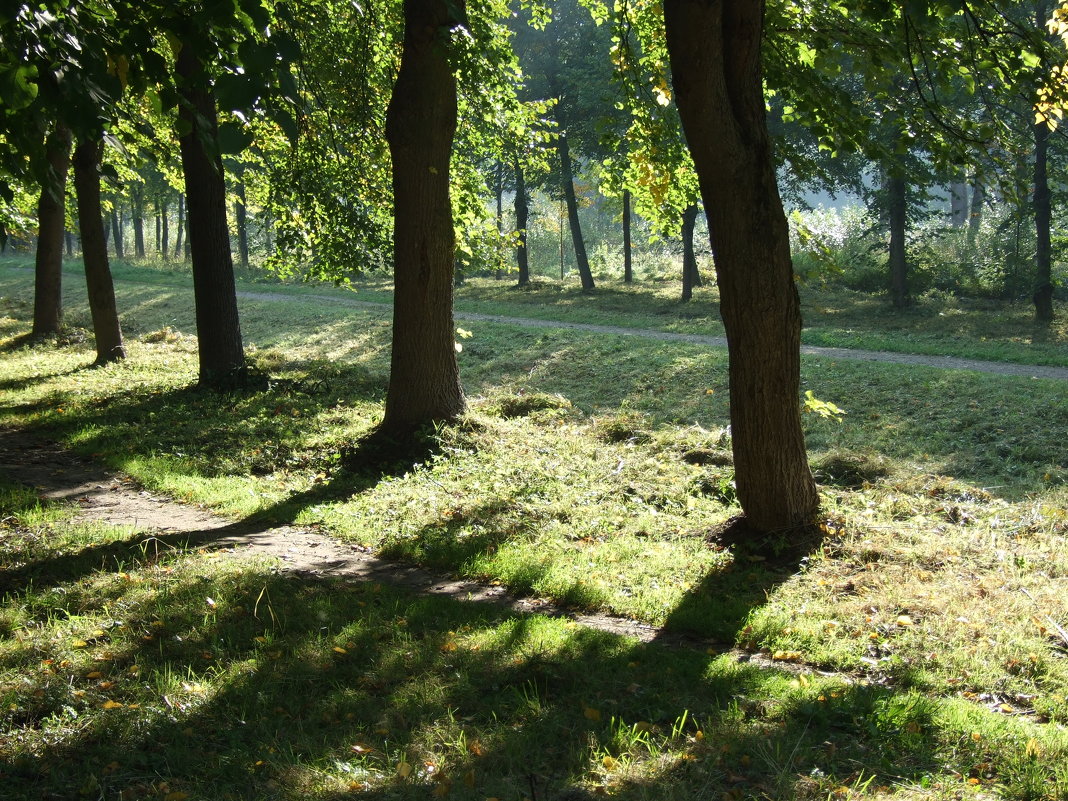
x: 106, y: 328
x: 221, y: 353
x: 159, y: 227
x: 241, y: 221
x: 424, y: 381
x: 51, y: 226
x: 116, y: 231
x: 690, y: 276
x: 137, y: 211
x: 567, y: 173
x: 1043, y: 295
x: 68, y: 239
x: 178, y: 244
x: 897, y: 206
x: 975, y: 216
x: 498, y: 191
x: 522, y: 216
x: 714, y: 49
x: 628, y: 250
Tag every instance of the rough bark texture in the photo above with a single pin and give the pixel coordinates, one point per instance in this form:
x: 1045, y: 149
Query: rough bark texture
x: 975, y: 216
x: 714, y: 46
x: 106, y: 329
x: 690, y: 277
x: 628, y: 251
x: 958, y: 202
x: 51, y: 226
x: 424, y: 381
x: 241, y: 221
x: 222, y: 355
x: 568, y: 176
x: 522, y: 216
x: 898, y: 207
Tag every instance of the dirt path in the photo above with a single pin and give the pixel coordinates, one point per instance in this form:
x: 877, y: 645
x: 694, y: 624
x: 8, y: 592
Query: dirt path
x: 943, y: 362
x: 110, y: 497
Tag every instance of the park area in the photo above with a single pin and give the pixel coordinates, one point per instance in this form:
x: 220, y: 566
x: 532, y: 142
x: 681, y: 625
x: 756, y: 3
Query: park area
x: 222, y: 607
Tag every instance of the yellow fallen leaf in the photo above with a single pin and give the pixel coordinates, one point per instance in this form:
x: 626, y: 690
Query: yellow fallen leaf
x: 339, y: 650
x: 590, y: 713
x: 904, y: 620
x: 610, y: 763
x: 95, y: 674
x: 404, y: 769
x: 112, y: 704
x: 176, y: 795
x: 79, y: 644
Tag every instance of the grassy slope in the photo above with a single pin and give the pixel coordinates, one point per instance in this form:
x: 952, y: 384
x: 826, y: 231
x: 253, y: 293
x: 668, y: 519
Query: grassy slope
x: 945, y: 503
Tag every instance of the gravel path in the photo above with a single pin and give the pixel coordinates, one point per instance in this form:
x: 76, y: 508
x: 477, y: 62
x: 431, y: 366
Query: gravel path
x: 943, y: 362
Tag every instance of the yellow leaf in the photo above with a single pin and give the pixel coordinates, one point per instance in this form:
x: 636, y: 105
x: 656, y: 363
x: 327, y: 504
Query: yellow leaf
x: 976, y: 736
x: 590, y: 713
x: 404, y: 769
x: 177, y: 795
x: 339, y: 650
x: 610, y: 763
x: 112, y: 704
x: 96, y: 674
x: 79, y: 644
x: 904, y: 620
x: 441, y: 789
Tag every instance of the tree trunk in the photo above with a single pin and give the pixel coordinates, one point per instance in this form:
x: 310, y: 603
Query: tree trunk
x: 522, y: 215
x: 583, y: 262
x: 222, y: 355
x: 178, y: 244
x: 51, y: 226
x: 68, y: 239
x: 714, y: 49
x: 424, y: 381
x: 628, y: 251
x: 137, y: 211
x: 498, y: 191
x: 898, y: 207
x: 975, y: 216
x: 165, y: 231
x: 159, y: 226
x: 1043, y: 296
x: 241, y: 221
x: 116, y: 231
x: 106, y: 328
x: 958, y: 202
x: 689, y: 259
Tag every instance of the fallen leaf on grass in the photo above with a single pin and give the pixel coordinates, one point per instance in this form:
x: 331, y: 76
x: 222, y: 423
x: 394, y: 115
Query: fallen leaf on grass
x: 109, y: 704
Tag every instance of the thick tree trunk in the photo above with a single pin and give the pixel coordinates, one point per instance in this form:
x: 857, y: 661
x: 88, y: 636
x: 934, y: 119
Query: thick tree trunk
x: 51, y: 226
x: 241, y: 221
x: 116, y: 231
x: 522, y: 216
x: 714, y: 49
x: 106, y: 328
x: 68, y: 239
x: 581, y: 259
x: 178, y: 244
x: 137, y: 211
x: 628, y: 250
x: 690, y: 278
x: 222, y: 355
x: 424, y: 381
x: 898, y: 209
x: 1043, y: 296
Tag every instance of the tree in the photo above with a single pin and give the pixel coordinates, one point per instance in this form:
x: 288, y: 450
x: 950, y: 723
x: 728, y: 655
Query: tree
x: 715, y: 53
x: 51, y: 224
x: 424, y: 381
x: 221, y: 351
x: 106, y: 328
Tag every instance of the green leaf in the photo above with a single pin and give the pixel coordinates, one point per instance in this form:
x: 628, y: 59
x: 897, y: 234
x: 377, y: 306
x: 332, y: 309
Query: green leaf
x: 233, y: 138
x: 18, y: 87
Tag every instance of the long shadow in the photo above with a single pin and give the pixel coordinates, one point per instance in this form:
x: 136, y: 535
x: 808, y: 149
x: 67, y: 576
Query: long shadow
x: 356, y: 680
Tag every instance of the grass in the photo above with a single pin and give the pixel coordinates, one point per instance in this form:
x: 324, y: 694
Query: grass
x: 590, y: 471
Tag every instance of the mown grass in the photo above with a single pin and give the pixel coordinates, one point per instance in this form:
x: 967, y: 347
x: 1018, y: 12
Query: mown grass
x: 135, y: 666
x: 590, y: 471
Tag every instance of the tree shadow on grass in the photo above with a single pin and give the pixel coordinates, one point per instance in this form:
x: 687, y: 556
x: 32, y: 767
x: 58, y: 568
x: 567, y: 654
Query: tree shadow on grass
x: 287, y: 688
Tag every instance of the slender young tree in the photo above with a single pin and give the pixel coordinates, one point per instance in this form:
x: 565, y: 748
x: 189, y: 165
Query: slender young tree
x: 221, y: 352
x: 106, y: 328
x: 522, y: 216
x: 567, y: 175
x: 51, y: 223
x: 715, y: 54
x: 690, y: 276
x: 424, y: 381
x: 628, y: 250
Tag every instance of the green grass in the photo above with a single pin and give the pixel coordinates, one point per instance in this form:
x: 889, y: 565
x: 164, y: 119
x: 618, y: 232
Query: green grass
x: 590, y: 471
x: 136, y: 667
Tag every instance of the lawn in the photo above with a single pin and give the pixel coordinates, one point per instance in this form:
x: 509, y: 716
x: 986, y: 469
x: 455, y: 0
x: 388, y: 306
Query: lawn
x: 919, y: 648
